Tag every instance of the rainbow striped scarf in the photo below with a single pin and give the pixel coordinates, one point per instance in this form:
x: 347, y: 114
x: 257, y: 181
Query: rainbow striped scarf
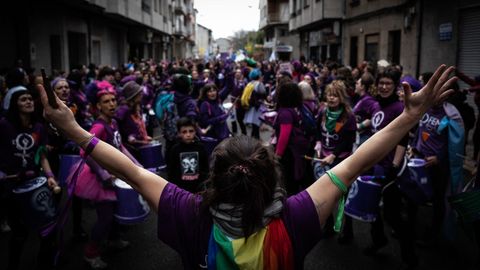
x: 269, y: 248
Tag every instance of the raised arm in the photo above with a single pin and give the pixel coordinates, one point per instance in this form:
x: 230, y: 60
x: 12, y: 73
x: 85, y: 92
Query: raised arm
x: 325, y: 194
x: 146, y: 183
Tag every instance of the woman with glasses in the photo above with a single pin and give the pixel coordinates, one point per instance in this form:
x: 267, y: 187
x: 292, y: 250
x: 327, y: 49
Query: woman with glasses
x: 390, y: 107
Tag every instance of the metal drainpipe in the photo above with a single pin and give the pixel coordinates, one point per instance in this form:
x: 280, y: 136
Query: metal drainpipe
x: 419, y: 38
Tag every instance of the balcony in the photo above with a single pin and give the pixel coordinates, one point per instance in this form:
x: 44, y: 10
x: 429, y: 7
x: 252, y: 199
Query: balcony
x: 179, y: 7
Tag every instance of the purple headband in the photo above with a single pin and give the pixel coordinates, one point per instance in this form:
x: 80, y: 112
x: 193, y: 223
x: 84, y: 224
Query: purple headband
x: 56, y: 80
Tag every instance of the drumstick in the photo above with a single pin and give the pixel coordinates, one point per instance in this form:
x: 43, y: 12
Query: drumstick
x: 233, y: 105
x: 51, y: 96
x: 465, y: 157
x: 57, y: 189
x: 312, y: 158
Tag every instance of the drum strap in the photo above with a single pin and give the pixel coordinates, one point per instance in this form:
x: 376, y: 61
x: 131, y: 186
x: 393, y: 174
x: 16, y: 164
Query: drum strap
x: 341, y: 204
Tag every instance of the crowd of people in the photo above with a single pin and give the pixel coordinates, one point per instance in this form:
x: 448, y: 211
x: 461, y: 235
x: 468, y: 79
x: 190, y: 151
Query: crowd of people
x: 229, y: 184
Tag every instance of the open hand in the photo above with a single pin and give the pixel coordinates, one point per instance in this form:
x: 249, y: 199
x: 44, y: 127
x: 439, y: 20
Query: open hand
x: 433, y: 93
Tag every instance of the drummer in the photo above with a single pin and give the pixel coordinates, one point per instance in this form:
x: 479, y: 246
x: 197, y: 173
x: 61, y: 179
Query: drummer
x: 431, y: 144
x: 129, y: 116
x: 59, y: 145
x: 96, y: 183
x: 211, y: 112
x: 337, y: 127
x: 22, y: 140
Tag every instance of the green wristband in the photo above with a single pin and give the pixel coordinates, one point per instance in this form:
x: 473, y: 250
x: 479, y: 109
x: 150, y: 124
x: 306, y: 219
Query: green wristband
x: 341, y: 204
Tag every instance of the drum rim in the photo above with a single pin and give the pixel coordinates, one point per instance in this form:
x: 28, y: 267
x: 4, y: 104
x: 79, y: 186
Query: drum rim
x: 368, y: 181
x: 227, y: 107
x: 209, y: 139
x: 21, y: 189
x: 118, y: 180
x: 69, y: 155
x: 411, y: 163
x: 150, y: 145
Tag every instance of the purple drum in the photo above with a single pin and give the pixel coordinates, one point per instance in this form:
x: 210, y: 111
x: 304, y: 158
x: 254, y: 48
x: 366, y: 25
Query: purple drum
x: 131, y: 207
x: 66, y: 164
x: 269, y: 117
x: 36, y: 203
x: 364, y: 199
x: 209, y: 143
x: 151, y: 156
x: 319, y: 170
x: 414, y: 182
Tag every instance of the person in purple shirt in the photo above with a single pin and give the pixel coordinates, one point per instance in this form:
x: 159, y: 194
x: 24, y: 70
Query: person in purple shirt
x: 58, y: 145
x: 337, y: 125
x: 365, y: 107
x: 24, y: 157
x: 129, y: 116
x: 212, y: 116
x: 390, y: 108
x: 245, y: 194
x: 337, y: 135
x: 432, y: 146
x: 292, y: 144
x: 239, y: 84
x: 95, y: 182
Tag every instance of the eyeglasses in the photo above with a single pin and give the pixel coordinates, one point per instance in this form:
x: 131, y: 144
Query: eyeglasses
x: 386, y: 83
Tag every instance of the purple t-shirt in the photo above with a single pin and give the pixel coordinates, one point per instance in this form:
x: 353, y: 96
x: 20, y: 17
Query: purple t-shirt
x: 364, y: 109
x: 330, y: 141
x: 186, y: 228
x: 429, y: 142
x: 19, y: 146
x: 380, y: 119
x: 298, y: 143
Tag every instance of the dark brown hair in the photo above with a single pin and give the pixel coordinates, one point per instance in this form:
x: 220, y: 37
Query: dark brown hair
x: 244, y: 172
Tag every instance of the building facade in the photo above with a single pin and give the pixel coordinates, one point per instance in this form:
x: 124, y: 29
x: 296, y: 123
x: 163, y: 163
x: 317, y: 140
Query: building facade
x: 274, y: 18
x: 63, y: 34
x: 203, y: 42
x: 319, y: 27
x: 223, y: 45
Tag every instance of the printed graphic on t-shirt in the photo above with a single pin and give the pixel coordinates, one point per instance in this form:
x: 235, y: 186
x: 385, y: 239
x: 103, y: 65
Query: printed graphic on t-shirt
x: 117, y: 139
x: 377, y: 120
x: 24, y: 142
x: 429, y: 122
x: 189, y: 164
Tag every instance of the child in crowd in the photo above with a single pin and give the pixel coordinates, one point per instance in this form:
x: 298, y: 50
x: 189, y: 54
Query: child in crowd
x: 188, y: 160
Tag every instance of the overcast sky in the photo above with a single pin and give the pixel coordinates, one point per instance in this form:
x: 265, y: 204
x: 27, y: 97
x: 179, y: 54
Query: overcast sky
x: 225, y: 17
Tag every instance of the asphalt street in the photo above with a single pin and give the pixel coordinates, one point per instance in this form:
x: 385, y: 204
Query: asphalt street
x: 147, y: 252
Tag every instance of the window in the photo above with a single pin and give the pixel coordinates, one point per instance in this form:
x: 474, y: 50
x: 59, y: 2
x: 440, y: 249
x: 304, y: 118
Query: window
x: 155, y: 5
x: 394, y: 44
x: 371, y: 47
x: 55, y: 52
x: 146, y: 6
x: 354, y: 3
x: 96, y: 52
x: 306, y: 3
x: 353, y: 51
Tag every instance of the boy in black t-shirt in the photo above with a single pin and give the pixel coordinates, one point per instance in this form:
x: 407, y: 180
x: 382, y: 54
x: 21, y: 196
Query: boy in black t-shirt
x: 187, y: 162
